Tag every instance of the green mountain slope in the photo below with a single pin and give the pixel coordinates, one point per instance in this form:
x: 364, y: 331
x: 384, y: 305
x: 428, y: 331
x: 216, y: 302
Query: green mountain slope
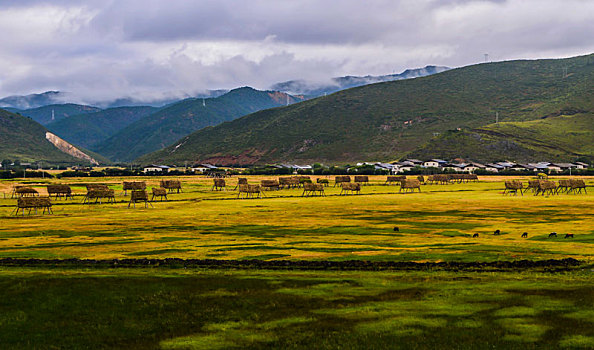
x: 23, y: 139
x: 175, y: 121
x: 388, y: 120
x: 90, y: 129
x: 558, y: 138
x: 43, y: 115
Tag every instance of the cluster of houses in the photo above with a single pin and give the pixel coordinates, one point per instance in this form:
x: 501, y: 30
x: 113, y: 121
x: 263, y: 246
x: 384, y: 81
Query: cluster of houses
x: 470, y: 167
x: 410, y: 164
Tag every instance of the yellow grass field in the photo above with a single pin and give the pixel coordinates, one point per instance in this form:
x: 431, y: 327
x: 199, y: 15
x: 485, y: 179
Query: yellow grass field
x: 434, y: 225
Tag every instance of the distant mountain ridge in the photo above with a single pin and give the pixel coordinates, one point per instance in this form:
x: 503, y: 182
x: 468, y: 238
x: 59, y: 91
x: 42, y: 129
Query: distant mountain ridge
x: 389, y: 120
x: 27, y: 141
x: 175, y: 121
x: 89, y: 129
x: 302, y: 87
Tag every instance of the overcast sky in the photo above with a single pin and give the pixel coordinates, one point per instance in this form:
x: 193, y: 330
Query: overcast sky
x: 100, y: 50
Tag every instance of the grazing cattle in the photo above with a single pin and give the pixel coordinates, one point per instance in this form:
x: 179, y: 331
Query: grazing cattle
x: 552, y: 234
x: 569, y: 235
x: 497, y: 232
x: 354, y: 188
x: 396, y: 229
x: 475, y: 235
x: 525, y: 235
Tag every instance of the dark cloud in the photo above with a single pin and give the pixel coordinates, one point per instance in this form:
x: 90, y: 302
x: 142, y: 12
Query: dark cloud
x: 151, y: 48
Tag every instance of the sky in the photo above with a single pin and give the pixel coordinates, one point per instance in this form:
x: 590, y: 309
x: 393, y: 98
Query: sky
x: 157, y: 49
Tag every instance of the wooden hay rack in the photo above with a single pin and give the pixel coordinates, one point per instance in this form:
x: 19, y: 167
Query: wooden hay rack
x: 241, y: 181
x: 98, y: 192
x: 288, y: 182
x: 59, y: 191
x: 394, y: 180
x: 139, y: 196
x: 513, y: 186
x: 23, y: 191
x: 421, y: 179
x: 352, y: 187
x: 33, y: 203
x: 133, y: 186
x: 564, y: 186
x: 159, y: 192
x: 324, y: 182
x: 409, y: 185
x: 362, y: 179
x: 340, y: 179
x: 311, y: 189
x: 250, y: 191
x: 546, y: 187
x: 218, y: 184
x: 172, y: 185
x: 270, y: 185
x: 577, y: 185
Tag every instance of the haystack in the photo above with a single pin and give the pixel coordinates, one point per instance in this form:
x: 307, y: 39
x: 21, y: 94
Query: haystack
x: 270, y: 185
x: 513, y: 187
x: 59, y: 191
x: 172, y: 185
x: 133, y: 186
x: 354, y: 188
x: 250, y: 191
x: 362, y: 179
x: 138, y: 196
x: 340, y: 179
x: 394, y: 179
x: 218, y: 185
x: 310, y: 189
x: 409, y: 185
x: 33, y: 203
x: 159, y: 192
x: 98, y: 192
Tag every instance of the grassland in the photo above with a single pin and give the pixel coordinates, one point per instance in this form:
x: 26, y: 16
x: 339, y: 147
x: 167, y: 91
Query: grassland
x: 434, y: 225
x: 196, y: 309
x: 179, y: 308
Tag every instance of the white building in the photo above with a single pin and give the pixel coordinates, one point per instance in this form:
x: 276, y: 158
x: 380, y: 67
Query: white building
x: 154, y: 168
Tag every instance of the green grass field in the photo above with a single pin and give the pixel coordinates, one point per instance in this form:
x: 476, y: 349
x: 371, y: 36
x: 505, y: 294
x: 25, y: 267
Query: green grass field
x: 177, y: 308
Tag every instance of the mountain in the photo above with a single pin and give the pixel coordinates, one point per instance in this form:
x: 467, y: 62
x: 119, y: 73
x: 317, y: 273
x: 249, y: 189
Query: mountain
x: 27, y: 141
x: 89, y: 129
x: 32, y: 100
x: 180, y: 119
x: 388, y: 120
x: 564, y: 137
x: 46, y: 114
x: 303, y: 87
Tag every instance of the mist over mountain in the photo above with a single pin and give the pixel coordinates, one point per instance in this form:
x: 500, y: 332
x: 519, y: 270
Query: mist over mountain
x: 313, y: 89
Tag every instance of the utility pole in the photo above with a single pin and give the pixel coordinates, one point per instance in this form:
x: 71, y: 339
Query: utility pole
x: 486, y: 57
x: 496, y: 117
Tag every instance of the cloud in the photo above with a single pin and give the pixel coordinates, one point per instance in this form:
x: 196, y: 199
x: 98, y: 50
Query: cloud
x: 100, y: 50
